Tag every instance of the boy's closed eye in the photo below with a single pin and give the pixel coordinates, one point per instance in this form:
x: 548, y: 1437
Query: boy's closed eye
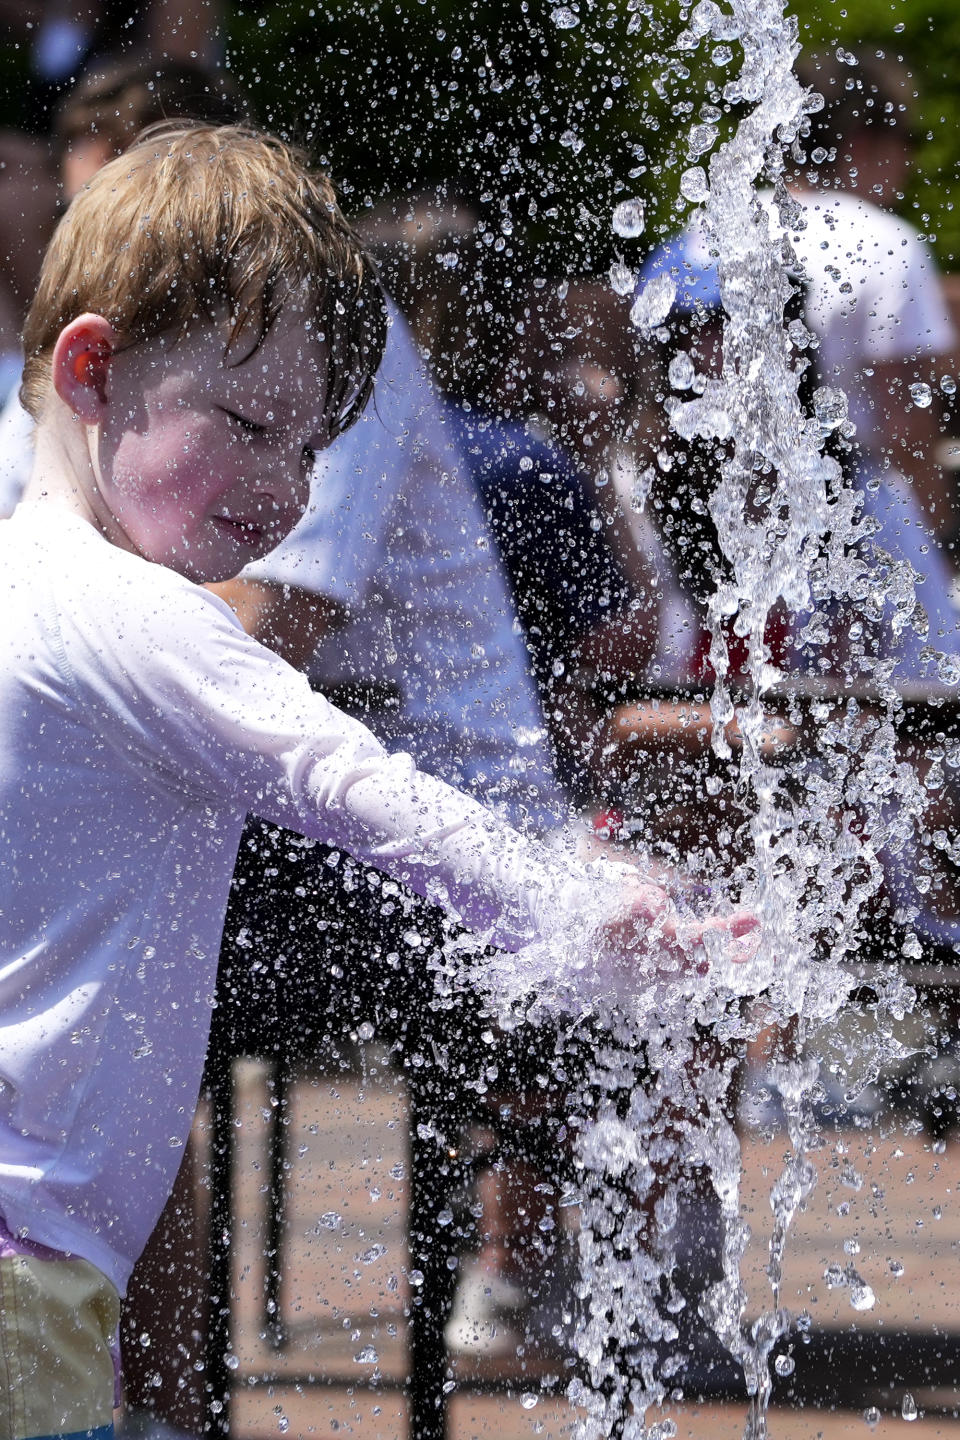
x: 254, y: 427
x: 248, y: 426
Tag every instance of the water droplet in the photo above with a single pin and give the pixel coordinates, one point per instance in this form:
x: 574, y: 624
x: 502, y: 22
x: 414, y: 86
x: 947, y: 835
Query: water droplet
x: 416, y: 1278
x: 701, y: 139
x: 682, y: 371
x: 909, y: 1409
x: 528, y: 1400
x: 330, y: 1220
x: 862, y: 1297
x: 445, y: 1217
x: 799, y: 334
x: 629, y: 218
x: 232, y: 1361
x: 639, y: 494
x: 872, y: 1416
x: 652, y: 305
x: 564, y: 18
x: 694, y: 185
x: 373, y: 1252
x: 921, y: 395
x: 830, y: 407
x: 365, y: 1030
x: 948, y: 385
x: 622, y: 278
x: 784, y: 1365
x: 367, y: 1356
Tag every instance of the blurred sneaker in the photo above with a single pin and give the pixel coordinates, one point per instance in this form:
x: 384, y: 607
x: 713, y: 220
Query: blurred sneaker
x: 496, y: 1317
x: 488, y: 1314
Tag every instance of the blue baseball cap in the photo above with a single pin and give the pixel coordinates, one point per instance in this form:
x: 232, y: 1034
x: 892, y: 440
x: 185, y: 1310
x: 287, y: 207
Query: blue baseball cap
x: 686, y: 259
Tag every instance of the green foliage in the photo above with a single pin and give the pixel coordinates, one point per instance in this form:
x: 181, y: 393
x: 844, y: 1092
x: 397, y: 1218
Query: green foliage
x: 927, y: 38
x: 547, y: 127
x: 544, y: 127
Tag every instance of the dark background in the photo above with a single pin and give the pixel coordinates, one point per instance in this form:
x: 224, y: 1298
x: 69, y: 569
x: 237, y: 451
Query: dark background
x: 543, y: 128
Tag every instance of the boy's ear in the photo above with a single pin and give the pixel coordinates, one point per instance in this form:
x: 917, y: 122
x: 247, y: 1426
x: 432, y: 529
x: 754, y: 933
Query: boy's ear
x: 80, y: 366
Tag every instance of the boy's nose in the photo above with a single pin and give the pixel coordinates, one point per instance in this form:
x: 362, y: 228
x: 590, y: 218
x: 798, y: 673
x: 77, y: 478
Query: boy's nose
x: 285, y: 488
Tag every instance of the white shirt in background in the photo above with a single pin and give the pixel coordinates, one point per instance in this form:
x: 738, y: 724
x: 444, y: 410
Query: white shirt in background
x: 396, y: 533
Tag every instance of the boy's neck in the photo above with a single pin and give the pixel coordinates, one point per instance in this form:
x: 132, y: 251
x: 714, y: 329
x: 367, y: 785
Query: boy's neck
x: 63, y: 472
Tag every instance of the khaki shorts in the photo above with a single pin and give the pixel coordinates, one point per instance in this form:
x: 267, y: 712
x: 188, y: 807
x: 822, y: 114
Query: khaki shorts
x: 58, y: 1321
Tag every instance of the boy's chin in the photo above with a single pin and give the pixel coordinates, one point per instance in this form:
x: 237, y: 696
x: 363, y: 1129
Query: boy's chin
x: 207, y: 569
x: 200, y: 572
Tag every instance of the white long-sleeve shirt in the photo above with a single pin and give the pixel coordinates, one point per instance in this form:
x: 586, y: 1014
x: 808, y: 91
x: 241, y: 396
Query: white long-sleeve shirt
x: 139, y: 724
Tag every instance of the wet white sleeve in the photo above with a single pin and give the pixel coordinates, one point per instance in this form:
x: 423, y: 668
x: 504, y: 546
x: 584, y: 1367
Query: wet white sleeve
x: 182, y: 693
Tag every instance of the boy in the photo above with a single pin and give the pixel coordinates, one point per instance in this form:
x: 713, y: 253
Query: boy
x: 205, y: 320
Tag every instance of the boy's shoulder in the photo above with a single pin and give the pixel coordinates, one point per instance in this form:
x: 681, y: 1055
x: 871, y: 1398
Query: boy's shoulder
x: 95, y: 588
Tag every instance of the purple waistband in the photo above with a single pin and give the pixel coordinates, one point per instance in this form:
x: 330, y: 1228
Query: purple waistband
x: 11, y: 1245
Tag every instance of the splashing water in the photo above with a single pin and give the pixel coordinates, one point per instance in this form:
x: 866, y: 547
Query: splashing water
x: 796, y: 540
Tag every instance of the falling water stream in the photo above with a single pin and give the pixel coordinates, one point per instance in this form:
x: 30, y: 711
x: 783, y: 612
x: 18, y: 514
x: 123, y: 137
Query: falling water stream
x: 790, y: 529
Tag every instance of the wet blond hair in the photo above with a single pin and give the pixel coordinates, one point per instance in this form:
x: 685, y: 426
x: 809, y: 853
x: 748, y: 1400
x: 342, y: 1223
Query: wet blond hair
x: 194, y: 221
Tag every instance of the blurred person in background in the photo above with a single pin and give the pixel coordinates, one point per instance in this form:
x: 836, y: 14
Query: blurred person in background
x: 874, y: 296
x: 874, y: 301
x: 545, y: 406
x: 62, y: 42
x: 522, y: 395
x: 574, y: 604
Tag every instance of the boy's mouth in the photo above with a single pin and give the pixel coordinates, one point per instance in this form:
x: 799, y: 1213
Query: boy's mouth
x: 247, y: 530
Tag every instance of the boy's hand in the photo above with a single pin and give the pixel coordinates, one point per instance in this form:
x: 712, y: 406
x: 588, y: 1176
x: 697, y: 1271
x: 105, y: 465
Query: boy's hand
x: 647, y: 939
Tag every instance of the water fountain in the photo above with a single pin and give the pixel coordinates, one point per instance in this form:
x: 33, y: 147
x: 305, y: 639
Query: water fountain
x: 792, y: 533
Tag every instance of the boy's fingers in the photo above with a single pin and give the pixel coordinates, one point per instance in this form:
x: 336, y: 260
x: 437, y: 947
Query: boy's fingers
x: 743, y: 922
x: 742, y: 930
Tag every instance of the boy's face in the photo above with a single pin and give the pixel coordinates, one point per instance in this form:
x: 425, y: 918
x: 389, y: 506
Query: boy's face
x: 201, y: 464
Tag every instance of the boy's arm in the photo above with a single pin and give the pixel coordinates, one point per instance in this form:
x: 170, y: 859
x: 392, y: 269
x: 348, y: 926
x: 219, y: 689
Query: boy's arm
x: 181, y: 693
